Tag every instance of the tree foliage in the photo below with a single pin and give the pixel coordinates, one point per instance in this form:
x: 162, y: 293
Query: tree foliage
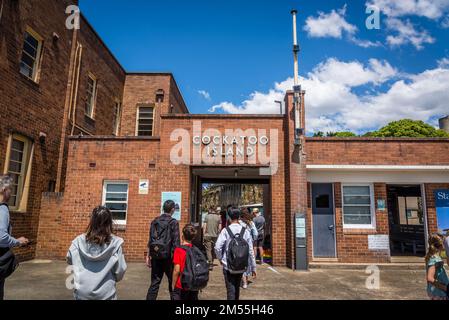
x: 409, y: 128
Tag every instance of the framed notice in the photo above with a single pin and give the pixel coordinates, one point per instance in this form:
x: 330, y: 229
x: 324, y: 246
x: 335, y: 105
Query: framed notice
x: 378, y: 242
x: 176, y: 197
x: 442, y: 209
x: 144, y: 185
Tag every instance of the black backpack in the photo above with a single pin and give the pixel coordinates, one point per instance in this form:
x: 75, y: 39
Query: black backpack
x: 238, y: 252
x: 195, y: 275
x: 160, y: 244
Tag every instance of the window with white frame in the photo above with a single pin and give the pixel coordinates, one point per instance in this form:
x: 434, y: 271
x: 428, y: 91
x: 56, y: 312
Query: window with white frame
x: 117, y: 117
x: 145, y: 118
x: 91, y: 96
x: 115, y: 198
x: 31, y: 52
x: 358, y: 208
x: 18, y: 167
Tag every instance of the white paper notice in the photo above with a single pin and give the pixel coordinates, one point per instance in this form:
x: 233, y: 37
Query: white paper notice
x: 378, y: 242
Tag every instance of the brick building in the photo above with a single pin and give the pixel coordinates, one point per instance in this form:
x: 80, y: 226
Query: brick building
x: 96, y: 134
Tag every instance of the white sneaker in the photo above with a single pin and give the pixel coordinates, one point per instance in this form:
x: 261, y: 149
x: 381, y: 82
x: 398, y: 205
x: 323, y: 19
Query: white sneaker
x: 245, y: 286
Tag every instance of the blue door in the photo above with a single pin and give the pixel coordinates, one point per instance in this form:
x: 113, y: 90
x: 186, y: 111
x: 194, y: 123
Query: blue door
x: 323, y: 220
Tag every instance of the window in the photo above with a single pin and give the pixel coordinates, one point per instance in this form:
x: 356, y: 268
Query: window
x: 18, y: 168
x: 358, y: 210
x: 115, y: 197
x: 117, y: 117
x: 145, y: 121
x: 32, y: 47
x: 322, y: 201
x: 91, y: 96
x: 410, y: 211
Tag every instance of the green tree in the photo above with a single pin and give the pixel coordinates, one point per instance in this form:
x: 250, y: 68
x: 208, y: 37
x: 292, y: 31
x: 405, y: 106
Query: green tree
x: 345, y: 134
x: 409, y: 128
x: 319, y: 134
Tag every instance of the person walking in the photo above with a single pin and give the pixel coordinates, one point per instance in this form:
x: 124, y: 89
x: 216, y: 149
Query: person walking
x: 259, y: 221
x: 211, y: 229
x: 97, y: 259
x: 437, y: 279
x: 246, y: 221
x: 190, y: 272
x: 234, y: 249
x: 8, y: 262
x: 164, y: 238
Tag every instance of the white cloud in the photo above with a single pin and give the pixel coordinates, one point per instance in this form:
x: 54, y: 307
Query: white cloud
x: 432, y: 9
x: 331, y: 24
x: 443, y: 63
x: 204, y: 94
x: 334, y: 25
x: 332, y: 104
x: 405, y: 33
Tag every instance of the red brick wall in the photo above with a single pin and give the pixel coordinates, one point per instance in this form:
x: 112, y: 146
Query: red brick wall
x: 91, y: 162
x: 140, y: 89
x: 295, y: 178
x: 29, y: 108
x: 128, y: 158
x: 352, y: 244
x: 382, y: 151
x: 51, y: 213
x: 99, y: 61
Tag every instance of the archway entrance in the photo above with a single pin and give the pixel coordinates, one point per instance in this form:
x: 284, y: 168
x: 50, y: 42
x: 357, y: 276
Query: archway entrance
x: 243, y: 187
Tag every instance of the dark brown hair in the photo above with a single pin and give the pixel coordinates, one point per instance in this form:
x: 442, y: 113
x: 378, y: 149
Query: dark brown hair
x: 189, y: 232
x: 99, y: 230
x: 435, y: 246
x: 246, y: 216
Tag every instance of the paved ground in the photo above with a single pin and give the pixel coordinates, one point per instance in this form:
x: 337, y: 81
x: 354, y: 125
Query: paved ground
x: 46, y: 280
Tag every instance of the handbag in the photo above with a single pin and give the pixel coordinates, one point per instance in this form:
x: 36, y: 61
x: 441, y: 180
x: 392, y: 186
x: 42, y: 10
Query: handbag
x: 8, y: 263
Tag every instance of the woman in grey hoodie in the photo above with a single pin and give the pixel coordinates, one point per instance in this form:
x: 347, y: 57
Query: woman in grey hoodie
x: 97, y: 259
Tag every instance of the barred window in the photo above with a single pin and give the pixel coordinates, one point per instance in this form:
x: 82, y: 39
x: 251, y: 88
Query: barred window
x: 145, y: 121
x: 358, y: 211
x: 115, y: 198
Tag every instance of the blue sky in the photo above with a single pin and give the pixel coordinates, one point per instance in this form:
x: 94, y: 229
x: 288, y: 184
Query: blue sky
x: 235, y: 56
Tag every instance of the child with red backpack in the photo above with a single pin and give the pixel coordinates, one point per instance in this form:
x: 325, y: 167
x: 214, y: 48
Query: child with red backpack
x: 191, y: 269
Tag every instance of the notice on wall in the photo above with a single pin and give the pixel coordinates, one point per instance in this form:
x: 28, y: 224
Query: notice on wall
x: 442, y: 208
x: 378, y: 242
x: 176, y: 197
x: 381, y: 205
x: 144, y: 185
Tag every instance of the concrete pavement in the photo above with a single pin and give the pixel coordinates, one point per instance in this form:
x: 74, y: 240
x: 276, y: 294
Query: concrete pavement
x: 46, y: 280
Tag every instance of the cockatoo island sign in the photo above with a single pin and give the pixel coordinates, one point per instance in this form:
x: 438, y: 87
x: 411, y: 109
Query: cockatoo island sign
x: 233, y: 146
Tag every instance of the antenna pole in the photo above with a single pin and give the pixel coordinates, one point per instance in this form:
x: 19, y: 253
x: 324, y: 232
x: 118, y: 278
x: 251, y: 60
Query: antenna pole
x: 297, y: 88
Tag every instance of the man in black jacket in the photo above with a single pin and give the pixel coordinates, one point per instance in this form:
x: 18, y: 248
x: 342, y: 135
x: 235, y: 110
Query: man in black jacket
x: 164, y: 235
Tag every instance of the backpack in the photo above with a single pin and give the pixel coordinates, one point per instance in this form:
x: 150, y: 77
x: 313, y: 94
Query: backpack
x: 8, y: 261
x: 195, y: 275
x: 238, y: 252
x: 160, y: 245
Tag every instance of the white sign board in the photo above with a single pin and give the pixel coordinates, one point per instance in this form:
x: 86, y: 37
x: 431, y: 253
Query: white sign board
x: 378, y: 242
x: 144, y: 185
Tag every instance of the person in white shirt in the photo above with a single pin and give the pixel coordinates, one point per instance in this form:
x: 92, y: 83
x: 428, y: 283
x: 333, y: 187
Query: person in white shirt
x: 233, y: 280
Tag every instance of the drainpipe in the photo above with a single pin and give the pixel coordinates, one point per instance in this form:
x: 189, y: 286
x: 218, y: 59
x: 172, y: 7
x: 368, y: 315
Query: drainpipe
x: 67, y: 110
